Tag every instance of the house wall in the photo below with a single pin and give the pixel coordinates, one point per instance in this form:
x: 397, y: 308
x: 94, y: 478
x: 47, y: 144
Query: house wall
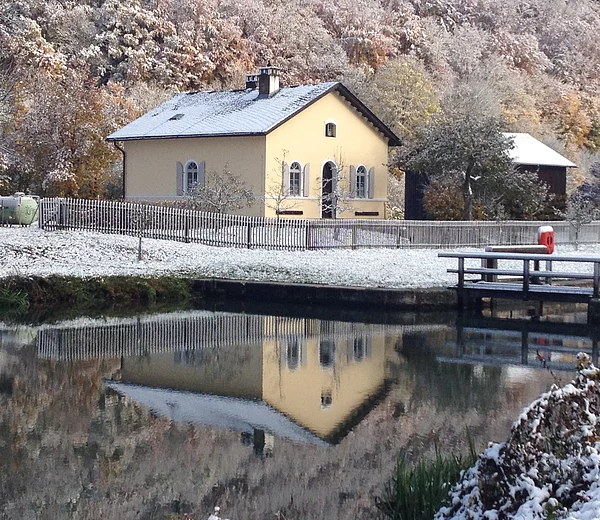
x: 297, y: 392
x: 151, y: 165
x: 234, y: 371
x: 303, y: 139
x: 554, y: 176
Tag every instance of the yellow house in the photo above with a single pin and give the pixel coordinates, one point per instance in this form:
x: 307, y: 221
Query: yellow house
x: 309, y: 151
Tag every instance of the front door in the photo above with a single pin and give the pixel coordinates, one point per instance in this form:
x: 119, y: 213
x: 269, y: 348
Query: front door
x: 327, y: 209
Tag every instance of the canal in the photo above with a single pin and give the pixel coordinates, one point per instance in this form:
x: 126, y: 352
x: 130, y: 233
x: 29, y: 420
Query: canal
x: 163, y: 415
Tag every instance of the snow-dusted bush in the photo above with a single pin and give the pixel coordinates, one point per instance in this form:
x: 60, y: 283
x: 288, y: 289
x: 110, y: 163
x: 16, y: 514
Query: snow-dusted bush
x: 550, y: 465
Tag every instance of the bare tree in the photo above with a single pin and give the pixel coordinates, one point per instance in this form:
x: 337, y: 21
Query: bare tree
x: 221, y: 193
x: 278, y: 196
x: 336, y: 194
x: 582, y: 206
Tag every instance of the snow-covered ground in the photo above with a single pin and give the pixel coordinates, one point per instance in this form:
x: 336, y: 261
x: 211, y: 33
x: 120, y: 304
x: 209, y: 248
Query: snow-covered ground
x: 28, y: 251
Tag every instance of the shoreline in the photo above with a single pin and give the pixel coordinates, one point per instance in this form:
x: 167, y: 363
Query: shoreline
x: 22, y: 295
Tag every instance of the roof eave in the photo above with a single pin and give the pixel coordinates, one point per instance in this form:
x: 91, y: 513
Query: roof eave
x: 190, y: 136
x: 523, y: 163
x: 393, y: 139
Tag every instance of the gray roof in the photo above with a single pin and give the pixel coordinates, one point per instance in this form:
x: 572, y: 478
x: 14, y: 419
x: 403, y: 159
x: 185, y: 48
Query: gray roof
x: 218, y: 411
x: 527, y: 150
x: 235, y: 113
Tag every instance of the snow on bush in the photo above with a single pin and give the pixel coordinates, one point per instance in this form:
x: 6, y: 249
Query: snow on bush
x: 550, y: 465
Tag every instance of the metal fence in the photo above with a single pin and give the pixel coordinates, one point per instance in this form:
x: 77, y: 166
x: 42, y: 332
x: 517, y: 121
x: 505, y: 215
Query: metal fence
x: 293, y: 234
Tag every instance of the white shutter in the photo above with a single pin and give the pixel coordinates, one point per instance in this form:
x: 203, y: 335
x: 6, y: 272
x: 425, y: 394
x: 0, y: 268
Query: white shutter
x: 371, y: 185
x: 352, y: 181
x: 179, y: 179
x: 285, y: 177
x: 201, y: 174
x: 306, y: 180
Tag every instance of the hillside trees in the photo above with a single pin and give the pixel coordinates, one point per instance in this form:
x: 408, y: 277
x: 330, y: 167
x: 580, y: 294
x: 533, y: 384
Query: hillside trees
x: 56, y: 139
x: 401, y: 93
x: 539, y: 59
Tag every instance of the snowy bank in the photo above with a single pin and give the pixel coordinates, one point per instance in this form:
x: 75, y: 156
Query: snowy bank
x: 34, y: 252
x: 550, y: 466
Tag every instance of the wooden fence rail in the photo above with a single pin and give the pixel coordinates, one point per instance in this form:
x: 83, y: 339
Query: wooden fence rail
x: 292, y: 234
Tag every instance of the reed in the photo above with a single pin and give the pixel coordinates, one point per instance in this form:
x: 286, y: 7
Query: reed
x: 15, y: 300
x: 418, y: 492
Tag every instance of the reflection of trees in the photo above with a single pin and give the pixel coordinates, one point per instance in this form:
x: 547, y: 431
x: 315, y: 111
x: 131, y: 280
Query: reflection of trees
x: 74, y: 450
x: 454, y: 386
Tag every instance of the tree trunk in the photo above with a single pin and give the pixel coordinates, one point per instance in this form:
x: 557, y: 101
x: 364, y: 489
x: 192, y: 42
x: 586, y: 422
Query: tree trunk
x: 468, y: 196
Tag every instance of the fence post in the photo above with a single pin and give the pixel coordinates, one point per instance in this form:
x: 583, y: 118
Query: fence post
x: 61, y: 215
x: 307, y: 237
x: 249, y: 235
x: 354, y: 225
x: 41, y: 208
x: 187, y: 228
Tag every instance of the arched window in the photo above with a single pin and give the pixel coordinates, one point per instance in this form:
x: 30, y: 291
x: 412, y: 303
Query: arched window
x: 293, y: 354
x: 326, y: 353
x: 361, y: 182
x: 191, y: 175
x: 330, y: 129
x: 295, y: 179
x: 359, y: 348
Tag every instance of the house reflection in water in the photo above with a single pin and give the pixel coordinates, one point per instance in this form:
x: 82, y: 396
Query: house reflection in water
x: 307, y: 380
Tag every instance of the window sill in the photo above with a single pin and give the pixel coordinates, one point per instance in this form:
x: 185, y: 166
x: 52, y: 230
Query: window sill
x: 290, y: 212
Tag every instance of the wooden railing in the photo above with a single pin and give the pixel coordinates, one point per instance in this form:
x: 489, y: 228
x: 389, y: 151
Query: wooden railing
x: 291, y: 234
x: 525, y: 279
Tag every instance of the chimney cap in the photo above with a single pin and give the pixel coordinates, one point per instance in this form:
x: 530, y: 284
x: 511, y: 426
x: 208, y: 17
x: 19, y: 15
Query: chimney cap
x: 269, y: 70
x: 251, y: 81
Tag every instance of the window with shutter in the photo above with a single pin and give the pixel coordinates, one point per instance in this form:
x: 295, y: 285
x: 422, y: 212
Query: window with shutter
x: 191, y: 175
x: 361, y: 182
x: 295, y: 179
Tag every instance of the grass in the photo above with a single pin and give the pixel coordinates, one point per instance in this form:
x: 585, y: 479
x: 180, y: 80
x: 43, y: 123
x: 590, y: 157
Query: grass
x: 418, y: 492
x: 33, y: 294
x: 14, y: 300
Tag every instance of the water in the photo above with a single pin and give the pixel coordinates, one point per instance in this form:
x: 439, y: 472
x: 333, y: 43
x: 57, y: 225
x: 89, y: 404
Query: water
x: 163, y: 415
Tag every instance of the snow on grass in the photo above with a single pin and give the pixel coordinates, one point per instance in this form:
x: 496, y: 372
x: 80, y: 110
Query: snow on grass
x: 29, y: 251
x: 549, y: 467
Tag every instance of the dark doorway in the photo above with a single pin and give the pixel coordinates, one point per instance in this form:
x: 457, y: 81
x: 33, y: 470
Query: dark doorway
x: 327, y: 209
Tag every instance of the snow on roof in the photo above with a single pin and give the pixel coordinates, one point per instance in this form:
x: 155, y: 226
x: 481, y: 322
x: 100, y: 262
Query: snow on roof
x: 211, y: 410
x: 233, y: 113
x: 528, y: 150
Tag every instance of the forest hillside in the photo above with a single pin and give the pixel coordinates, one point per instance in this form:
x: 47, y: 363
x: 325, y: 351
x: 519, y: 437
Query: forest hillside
x: 74, y: 71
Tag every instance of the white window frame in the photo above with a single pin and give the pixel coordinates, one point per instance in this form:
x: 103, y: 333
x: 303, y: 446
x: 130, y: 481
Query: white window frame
x: 331, y: 124
x: 300, y: 183
x: 361, y: 190
x: 187, y: 186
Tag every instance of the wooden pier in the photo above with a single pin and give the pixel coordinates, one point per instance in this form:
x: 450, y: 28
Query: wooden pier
x: 519, y: 276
